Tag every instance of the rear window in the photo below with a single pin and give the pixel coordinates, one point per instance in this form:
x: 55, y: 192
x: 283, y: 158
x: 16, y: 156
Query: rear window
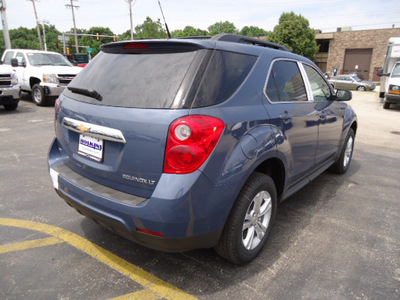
x: 163, y: 80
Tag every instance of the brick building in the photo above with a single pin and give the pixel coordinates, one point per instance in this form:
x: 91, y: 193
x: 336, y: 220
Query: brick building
x: 361, y: 52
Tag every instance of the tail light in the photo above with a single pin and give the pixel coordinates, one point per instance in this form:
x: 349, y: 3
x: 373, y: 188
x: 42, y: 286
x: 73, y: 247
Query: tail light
x: 190, y: 141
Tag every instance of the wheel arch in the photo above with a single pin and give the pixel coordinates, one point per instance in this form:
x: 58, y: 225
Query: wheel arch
x: 274, y: 168
x: 33, y: 81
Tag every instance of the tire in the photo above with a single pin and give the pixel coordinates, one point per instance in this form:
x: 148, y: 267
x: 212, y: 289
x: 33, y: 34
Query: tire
x: 361, y: 88
x: 343, y: 162
x: 11, y: 106
x: 38, y: 95
x: 386, y: 105
x: 250, y: 221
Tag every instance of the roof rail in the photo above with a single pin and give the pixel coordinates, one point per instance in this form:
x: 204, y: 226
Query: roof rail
x: 237, y: 38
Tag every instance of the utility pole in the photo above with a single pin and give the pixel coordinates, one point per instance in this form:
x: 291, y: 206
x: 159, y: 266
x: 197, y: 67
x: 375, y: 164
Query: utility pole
x: 37, y: 24
x: 73, y: 19
x: 44, y: 22
x: 130, y: 14
x: 5, y: 24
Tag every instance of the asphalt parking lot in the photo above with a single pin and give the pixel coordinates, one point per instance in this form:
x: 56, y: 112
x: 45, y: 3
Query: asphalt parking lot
x: 338, y: 238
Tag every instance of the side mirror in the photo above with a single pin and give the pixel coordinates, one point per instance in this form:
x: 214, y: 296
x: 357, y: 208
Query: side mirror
x: 380, y: 73
x: 14, y: 62
x: 343, y: 95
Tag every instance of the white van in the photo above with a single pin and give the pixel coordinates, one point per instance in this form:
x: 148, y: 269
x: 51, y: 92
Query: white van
x: 390, y: 74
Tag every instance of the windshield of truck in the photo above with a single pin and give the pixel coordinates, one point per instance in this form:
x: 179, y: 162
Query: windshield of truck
x: 396, y: 71
x: 48, y: 59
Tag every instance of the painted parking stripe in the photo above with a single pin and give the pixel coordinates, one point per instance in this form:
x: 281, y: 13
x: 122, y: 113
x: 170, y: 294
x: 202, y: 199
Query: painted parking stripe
x: 30, y: 244
x: 150, y: 282
x: 139, y: 295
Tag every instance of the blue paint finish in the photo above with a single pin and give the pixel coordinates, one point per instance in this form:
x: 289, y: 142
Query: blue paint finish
x: 304, y: 137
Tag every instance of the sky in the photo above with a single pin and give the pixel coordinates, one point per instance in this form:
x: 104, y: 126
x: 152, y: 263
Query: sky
x: 326, y: 15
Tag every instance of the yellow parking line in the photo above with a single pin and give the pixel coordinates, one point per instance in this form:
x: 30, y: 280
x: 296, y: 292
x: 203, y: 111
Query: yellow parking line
x: 139, y: 295
x: 150, y: 282
x: 29, y: 244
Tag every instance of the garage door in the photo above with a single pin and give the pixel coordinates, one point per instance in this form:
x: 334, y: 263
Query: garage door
x: 358, y: 61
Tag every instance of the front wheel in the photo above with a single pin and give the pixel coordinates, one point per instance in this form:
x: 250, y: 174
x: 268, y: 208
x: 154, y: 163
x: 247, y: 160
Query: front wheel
x: 38, y: 95
x: 250, y: 220
x: 386, y: 105
x: 343, y: 162
x: 11, y: 106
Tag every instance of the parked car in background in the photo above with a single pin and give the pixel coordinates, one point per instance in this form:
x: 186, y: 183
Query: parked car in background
x: 351, y: 82
x: 182, y: 144
x: 44, y: 74
x: 9, y: 86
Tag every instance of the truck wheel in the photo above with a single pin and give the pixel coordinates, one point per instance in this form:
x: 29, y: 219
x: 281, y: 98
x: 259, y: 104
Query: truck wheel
x: 386, y: 105
x: 250, y: 220
x: 11, y: 106
x: 38, y: 95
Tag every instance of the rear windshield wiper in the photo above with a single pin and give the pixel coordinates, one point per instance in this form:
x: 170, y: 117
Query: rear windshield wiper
x: 86, y: 92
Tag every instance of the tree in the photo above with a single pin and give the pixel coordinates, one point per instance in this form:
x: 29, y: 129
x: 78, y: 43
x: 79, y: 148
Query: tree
x: 253, y: 31
x: 150, y: 30
x: 294, y: 32
x: 189, y: 31
x: 222, y: 27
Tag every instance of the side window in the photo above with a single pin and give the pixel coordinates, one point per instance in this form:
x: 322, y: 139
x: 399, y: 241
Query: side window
x: 285, y: 83
x: 319, y: 86
x: 7, y: 57
x: 21, y: 59
x: 396, y: 71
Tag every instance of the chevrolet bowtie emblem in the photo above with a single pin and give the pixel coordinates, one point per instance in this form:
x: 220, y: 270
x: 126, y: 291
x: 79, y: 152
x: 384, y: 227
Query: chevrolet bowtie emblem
x: 82, y: 128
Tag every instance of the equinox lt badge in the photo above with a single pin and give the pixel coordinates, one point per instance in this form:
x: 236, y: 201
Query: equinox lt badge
x: 138, y: 179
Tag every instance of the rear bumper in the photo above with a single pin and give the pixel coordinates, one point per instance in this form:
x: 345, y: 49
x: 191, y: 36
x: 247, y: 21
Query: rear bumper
x: 118, y: 226
x: 187, y: 210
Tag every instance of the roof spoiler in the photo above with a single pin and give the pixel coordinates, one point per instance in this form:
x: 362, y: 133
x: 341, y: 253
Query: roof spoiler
x: 236, y: 38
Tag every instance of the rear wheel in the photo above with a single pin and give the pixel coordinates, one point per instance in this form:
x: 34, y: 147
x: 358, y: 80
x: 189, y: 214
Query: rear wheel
x: 361, y: 88
x: 343, y: 162
x: 38, y: 95
x: 250, y: 220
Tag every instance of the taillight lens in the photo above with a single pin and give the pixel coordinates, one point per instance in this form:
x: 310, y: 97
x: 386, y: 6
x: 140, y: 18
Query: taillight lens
x: 190, y: 141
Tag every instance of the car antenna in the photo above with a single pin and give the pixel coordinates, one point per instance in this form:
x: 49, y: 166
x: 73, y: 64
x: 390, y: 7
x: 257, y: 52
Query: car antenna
x: 165, y: 22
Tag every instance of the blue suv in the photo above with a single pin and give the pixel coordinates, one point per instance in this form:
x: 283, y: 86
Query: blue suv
x: 181, y: 144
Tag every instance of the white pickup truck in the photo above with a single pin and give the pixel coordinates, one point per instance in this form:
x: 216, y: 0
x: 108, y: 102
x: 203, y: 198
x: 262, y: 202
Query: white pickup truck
x: 9, y: 87
x: 44, y: 74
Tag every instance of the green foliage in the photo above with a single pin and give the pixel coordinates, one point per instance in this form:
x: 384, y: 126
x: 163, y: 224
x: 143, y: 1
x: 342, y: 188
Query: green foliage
x: 126, y: 36
x: 253, y: 31
x: 294, y: 32
x: 150, y: 30
x: 189, y: 31
x: 222, y: 27
x: 91, y: 41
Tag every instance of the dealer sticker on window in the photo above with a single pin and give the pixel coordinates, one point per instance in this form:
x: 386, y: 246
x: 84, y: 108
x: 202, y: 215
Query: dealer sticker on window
x: 91, y: 147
